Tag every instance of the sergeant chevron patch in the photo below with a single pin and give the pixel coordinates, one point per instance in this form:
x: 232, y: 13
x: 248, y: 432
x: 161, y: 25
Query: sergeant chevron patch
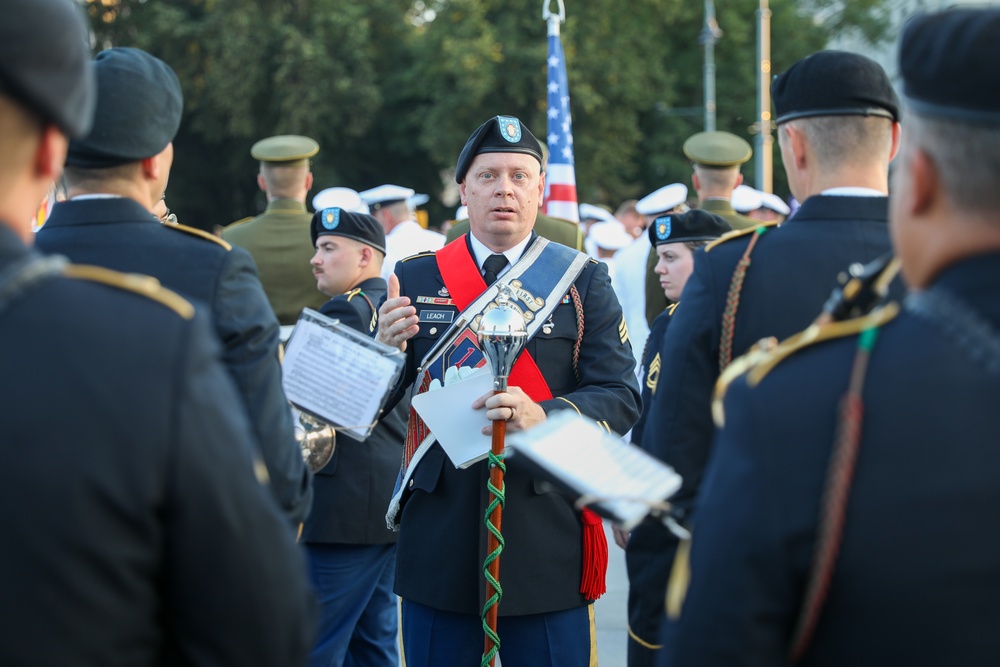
x: 623, y: 331
x: 653, y: 376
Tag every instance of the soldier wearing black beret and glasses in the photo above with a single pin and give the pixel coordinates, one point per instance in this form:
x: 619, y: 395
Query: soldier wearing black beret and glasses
x: 849, y: 514
x: 114, y: 176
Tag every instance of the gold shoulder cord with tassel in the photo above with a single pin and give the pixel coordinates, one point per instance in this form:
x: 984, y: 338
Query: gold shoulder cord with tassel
x: 735, y: 290
x: 862, y: 289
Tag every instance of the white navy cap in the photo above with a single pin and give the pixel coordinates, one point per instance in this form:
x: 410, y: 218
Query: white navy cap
x: 665, y: 199
x: 591, y: 212
x: 386, y: 194
x: 344, y: 198
x: 775, y: 203
x: 418, y: 200
x: 746, y: 199
x: 609, y: 235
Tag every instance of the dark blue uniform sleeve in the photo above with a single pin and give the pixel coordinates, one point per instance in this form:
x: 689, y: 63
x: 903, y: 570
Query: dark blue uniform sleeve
x: 249, y: 332
x: 339, y: 308
x: 235, y: 587
x: 743, y: 599
x: 679, y: 430
x: 652, y: 363
x: 607, y: 390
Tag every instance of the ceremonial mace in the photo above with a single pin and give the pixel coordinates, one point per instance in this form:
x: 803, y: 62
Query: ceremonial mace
x: 502, y: 337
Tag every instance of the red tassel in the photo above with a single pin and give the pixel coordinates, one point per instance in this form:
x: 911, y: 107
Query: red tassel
x: 593, y: 584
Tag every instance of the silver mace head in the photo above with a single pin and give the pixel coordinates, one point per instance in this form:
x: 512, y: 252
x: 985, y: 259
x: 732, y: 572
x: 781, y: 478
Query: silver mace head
x: 502, y: 337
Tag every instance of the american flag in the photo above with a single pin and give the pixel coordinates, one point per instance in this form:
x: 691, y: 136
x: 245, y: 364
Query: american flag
x: 560, y: 184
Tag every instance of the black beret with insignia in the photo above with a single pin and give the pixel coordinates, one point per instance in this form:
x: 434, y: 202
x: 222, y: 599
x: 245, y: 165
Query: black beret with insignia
x: 948, y: 62
x: 833, y: 83
x: 358, y: 226
x: 139, y: 105
x: 694, y: 225
x: 45, y: 62
x: 500, y: 134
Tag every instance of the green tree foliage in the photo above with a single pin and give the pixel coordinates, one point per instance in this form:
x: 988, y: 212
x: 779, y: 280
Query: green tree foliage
x: 392, y: 88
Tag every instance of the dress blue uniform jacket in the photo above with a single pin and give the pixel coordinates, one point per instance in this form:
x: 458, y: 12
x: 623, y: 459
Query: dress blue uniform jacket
x: 652, y: 361
x: 442, y: 540
x: 651, y: 546
x: 122, y: 235
x: 354, y: 488
x: 134, y: 529
x: 918, y: 575
x: 793, y: 270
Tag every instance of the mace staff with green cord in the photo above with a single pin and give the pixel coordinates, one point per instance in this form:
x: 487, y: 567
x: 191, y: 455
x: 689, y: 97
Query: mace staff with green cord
x: 502, y: 337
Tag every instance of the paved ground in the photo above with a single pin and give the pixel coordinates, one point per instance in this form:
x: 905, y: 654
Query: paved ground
x: 610, y: 610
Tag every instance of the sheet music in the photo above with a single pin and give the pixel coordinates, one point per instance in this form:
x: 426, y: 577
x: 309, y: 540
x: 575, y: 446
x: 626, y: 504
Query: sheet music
x: 594, y: 463
x: 333, y: 376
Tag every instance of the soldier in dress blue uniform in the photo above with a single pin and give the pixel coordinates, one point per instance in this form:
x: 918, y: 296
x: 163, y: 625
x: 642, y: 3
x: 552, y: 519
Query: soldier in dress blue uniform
x: 352, y: 554
x: 836, y: 141
x: 135, y: 530
x: 114, y: 176
x: 825, y: 538
x: 674, y: 237
x: 549, y: 575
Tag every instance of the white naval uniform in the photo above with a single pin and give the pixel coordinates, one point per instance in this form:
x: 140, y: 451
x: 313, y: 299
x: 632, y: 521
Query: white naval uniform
x: 408, y: 238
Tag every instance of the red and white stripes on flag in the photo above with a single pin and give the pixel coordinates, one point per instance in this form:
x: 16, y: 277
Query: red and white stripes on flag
x: 560, y: 183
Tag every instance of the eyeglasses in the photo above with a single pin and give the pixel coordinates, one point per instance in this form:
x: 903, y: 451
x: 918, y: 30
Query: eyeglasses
x: 167, y: 218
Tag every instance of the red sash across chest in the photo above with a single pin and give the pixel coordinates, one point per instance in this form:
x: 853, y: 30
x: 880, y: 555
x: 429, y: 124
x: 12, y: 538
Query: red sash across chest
x: 462, y: 279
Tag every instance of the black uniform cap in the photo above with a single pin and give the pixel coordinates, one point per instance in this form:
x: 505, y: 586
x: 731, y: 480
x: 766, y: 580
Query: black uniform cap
x: 948, y: 62
x: 139, y: 104
x: 833, y: 83
x: 45, y: 62
x: 500, y: 134
x: 694, y: 225
x: 358, y: 226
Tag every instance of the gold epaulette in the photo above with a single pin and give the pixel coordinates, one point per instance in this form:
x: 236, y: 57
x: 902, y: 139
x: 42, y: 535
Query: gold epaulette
x: 429, y: 253
x: 239, y: 222
x: 146, y: 286
x: 353, y: 293
x: 762, y: 358
x: 738, y: 233
x: 199, y: 233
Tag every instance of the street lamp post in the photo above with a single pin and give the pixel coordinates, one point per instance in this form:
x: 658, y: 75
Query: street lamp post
x: 710, y: 33
x: 764, y: 140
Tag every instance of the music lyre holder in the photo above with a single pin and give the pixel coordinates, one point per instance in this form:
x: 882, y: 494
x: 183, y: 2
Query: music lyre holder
x: 502, y: 337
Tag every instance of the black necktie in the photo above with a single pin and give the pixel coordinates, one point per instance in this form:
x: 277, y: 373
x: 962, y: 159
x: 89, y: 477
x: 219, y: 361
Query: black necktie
x: 492, y: 267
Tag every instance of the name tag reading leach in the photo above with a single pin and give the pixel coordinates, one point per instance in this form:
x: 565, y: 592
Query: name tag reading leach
x: 437, y: 316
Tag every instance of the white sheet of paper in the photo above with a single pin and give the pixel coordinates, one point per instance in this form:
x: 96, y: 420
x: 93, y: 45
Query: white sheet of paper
x: 595, y: 463
x: 449, y: 415
x: 337, y: 379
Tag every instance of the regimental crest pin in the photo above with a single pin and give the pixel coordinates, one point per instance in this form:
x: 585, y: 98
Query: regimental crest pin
x: 443, y: 292
x: 662, y: 228
x: 510, y: 128
x: 331, y: 218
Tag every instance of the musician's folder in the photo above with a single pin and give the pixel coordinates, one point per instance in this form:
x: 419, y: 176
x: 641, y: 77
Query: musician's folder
x: 617, y: 480
x: 338, y: 375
